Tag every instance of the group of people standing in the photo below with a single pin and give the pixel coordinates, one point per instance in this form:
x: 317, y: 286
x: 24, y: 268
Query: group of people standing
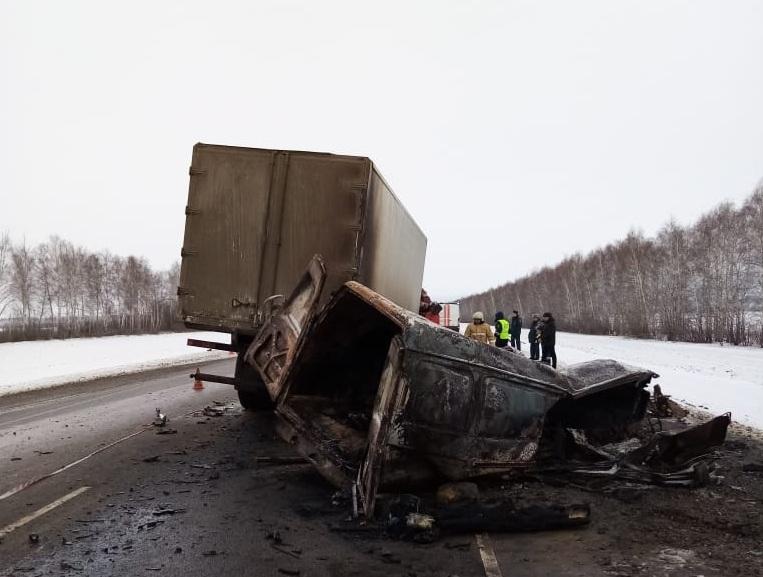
x: 542, y: 334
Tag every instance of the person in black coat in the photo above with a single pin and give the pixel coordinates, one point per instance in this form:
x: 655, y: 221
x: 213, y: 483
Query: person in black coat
x: 516, y: 330
x: 548, y: 339
x: 533, y: 337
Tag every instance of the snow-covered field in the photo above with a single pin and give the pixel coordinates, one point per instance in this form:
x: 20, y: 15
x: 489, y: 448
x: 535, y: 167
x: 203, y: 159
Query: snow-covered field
x: 38, y: 364
x: 712, y: 377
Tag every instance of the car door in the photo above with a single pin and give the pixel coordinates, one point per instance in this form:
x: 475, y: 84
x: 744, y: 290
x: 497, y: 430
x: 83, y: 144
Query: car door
x: 272, y: 349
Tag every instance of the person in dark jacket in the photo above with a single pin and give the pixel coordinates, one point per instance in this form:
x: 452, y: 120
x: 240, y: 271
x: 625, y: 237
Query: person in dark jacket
x: 516, y: 330
x: 548, y: 339
x: 502, y: 335
x: 533, y: 337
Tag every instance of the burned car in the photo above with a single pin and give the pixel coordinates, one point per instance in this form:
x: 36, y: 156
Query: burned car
x: 380, y: 398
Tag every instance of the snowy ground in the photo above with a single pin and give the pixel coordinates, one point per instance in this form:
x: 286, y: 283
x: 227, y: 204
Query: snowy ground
x: 714, y: 377
x: 38, y: 364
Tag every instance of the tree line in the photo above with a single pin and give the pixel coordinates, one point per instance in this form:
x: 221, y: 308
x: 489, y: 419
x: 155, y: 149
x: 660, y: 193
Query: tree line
x: 699, y: 283
x: 58, y: 290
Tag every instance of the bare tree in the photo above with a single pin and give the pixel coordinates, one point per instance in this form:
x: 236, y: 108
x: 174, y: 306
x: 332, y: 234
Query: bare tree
x: 699, y: 283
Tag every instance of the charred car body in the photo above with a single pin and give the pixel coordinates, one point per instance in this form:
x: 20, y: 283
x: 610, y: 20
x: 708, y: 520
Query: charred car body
x: 380, y: 398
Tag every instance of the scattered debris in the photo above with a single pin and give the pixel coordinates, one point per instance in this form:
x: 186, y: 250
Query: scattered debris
x: 149, y: 524
x: 752, y: 467
x: 285, y: 551
x: 408, y: 520
x: 161, y: 419
x: 34, y: 538
x: 288, y: 571
x: 151, y: 459
x: 166, y: 432
x: 162, y: 512
x: 274, y: 536
x: 211, y: 553
x: 44, y: 452
x: 213, y: 411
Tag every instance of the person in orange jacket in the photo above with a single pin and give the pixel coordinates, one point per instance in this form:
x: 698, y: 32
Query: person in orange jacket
x: 478, y: 330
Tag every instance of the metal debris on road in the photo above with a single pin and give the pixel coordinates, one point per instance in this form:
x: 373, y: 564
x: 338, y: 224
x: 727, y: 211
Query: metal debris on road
x: 162, y: 512
x: 161, y: 419
x: 213, y: 411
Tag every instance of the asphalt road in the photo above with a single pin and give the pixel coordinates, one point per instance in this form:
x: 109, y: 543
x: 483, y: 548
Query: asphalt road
x: 203, y: 500
x: 195, y: 502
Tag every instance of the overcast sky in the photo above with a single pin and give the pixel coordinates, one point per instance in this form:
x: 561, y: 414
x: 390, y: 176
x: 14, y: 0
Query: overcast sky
x: 516, y: 133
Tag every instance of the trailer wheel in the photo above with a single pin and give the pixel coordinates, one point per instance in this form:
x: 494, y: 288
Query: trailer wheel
x: 252, y: 392
x: 255, y: 400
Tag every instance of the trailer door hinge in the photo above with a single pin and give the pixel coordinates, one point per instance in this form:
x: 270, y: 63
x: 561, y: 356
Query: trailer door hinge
x: 184, y: 252
x: 183, y: 292
x: 189, y: 210
x: 193, y: 171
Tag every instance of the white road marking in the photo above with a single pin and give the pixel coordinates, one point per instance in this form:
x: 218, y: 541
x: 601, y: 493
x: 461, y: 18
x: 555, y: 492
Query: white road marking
x: 40, y: 512
x: 492, y: 569
x: 27, y: 484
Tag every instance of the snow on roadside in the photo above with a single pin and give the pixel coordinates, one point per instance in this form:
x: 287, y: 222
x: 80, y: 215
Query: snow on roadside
x: 29, y: 365
x: 708, y: 376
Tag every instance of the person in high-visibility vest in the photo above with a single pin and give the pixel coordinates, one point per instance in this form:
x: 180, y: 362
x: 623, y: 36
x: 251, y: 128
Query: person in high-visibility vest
x: 502, y: 334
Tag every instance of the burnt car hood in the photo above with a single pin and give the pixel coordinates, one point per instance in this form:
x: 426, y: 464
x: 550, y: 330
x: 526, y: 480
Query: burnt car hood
x: 377, y: 396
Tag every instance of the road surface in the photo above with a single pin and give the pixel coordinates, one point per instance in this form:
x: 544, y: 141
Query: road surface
x: 195, y: 502
x: 201, y: 501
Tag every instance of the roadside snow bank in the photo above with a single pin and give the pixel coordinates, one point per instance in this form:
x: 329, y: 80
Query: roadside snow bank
x: 32, y: 365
